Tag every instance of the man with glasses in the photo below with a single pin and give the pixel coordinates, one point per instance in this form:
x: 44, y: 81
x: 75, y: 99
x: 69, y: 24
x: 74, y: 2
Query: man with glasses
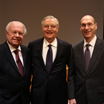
x: 86, y: 74
x: 50, y: 55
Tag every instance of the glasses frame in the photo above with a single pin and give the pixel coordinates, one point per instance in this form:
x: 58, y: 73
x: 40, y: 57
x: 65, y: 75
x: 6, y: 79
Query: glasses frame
x: 88, y: 25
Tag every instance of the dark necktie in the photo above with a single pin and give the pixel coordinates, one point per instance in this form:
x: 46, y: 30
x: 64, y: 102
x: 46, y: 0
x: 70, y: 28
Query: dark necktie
x: 49, y: 59
x: 19, y: 63
x: 87, y: 56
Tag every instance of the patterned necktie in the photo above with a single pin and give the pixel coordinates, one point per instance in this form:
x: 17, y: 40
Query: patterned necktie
x: 19, y: 63
x: 87, y: 56
x: 49, y: 59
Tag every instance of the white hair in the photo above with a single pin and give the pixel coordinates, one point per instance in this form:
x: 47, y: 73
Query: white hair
x: 49, y: 17
x: 7, y: 27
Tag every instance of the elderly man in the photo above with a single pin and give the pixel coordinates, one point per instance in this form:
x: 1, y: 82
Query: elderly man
x: 50, y: 55
x: 86, y: 74
x: 15, y: 66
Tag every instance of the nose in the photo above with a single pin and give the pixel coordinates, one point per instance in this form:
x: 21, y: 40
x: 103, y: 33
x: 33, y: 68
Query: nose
x: 86, y: 27
x: 49, y: 28
x: 17, y: 34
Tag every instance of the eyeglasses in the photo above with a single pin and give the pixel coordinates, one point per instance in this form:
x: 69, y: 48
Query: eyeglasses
x: 88, y: 25
x: 52, y: 26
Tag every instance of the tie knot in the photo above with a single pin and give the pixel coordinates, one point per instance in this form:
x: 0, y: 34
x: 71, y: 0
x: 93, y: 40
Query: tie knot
x: 49, y: 45
x: 87, y: 45
x: 16, y: 51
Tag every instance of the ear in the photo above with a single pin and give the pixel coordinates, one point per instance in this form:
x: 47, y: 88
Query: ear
x: 6, y: 32
x: 57, y: 28
x: 96, y: 26
x: 80, y: 27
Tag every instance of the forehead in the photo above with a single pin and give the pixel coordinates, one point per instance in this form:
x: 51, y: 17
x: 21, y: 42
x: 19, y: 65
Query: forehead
x: 16, y: 25
x: 87, y: 19
x: 50, y: 21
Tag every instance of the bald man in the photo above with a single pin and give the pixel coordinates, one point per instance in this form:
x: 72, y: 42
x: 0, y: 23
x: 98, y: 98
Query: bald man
x: 86, y: 74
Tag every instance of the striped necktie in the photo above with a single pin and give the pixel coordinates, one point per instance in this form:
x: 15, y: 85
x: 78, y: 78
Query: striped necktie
x: 19, y: 63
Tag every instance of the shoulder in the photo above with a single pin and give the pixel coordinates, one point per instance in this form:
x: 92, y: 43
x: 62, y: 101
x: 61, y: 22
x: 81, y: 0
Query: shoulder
x: 99, y: 40
x: 4, y: 46
x: 36, y: 41
x: 64, y: 43
x: 80, y: 44
x: 24, y: 48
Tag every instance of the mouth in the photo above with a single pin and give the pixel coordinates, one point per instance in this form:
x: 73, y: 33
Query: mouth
x: 87, y: 32
x: 17, y: 40
x: 49, y: 32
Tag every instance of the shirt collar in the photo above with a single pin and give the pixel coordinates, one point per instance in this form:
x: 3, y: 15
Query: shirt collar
x: 92, y: 42
x: 54, y: 43
x: 12, y: 48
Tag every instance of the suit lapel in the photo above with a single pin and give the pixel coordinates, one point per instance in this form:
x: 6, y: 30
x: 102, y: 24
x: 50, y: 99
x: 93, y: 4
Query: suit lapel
x: 24, y: 58
x: 59, y: 48
x: 39, y: 52
x: 81, y: 56
x: 9, y: 56
x: 97, y: 50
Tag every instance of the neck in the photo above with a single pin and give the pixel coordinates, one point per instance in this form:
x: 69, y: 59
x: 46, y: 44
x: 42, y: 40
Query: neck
x: 50, y: 40
x: 89, y: 39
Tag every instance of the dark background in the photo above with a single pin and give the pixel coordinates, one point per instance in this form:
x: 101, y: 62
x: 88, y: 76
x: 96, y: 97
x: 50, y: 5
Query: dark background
x: 68, y: 12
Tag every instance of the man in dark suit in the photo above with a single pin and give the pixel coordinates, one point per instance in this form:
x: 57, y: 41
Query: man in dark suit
x: 49, y: 83
x: 14, y: 81
x: 86, y: 74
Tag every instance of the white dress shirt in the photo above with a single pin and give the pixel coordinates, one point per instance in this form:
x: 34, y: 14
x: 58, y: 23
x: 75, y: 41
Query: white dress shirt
x: 45, y: 49
x: 12, y: 49
x: 92, y: 43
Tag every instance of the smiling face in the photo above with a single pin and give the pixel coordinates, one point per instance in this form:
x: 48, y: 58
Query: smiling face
x: 88, y: 27
x: 15, y: 34
x: 50, y: 29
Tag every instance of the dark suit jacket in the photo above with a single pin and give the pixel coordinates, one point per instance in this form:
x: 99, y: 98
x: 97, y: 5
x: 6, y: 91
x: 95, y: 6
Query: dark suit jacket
x: 55, y: 81
x: 14, y: 89
x: 87, y: 87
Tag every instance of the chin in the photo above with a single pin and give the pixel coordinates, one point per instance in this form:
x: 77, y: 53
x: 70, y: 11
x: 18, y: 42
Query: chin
x: 87, y: 35
x: 49, y: 37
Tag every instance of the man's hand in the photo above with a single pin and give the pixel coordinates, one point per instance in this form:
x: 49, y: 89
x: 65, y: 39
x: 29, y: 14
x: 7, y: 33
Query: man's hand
x: 72, y: 101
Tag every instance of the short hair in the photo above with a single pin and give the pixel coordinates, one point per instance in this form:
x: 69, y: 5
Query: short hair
x: 7, y: 27
x: 89, y: 16
x: 49, y: 17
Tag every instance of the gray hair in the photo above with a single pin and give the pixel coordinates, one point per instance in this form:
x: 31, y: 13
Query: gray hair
x: 7, y: 27
x: 49, y: 17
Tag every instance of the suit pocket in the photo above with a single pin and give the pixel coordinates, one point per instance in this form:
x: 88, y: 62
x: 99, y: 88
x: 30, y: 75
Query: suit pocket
x: 101, y: 89
x: 4, y: 95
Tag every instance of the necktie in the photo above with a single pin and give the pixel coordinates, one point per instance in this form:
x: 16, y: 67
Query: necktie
x: 49, y: 58
x: 87, y: 56
x: 18, y: 61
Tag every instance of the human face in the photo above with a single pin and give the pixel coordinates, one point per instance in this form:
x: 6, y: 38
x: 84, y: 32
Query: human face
x: 15, y: 34
x: 50, y: 29
x: 88, y: 27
